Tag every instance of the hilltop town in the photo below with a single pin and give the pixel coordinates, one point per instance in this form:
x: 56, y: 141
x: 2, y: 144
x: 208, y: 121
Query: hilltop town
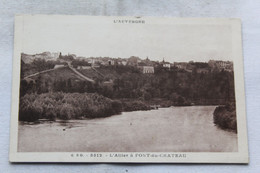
x: 145, y: 66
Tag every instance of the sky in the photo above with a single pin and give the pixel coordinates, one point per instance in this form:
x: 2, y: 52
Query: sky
x: 171, y: 40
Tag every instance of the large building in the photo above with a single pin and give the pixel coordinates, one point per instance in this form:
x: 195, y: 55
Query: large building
x: 148, y: 69
x: 221, y: 65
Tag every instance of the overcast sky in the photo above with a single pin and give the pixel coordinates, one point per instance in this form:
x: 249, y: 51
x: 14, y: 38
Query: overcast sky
x: 95, y: 38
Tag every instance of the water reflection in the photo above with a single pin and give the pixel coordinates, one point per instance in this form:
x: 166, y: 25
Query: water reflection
x: 174, y: 129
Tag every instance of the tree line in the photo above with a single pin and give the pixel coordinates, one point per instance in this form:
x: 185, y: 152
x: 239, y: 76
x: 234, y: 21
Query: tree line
x: 177, y: 86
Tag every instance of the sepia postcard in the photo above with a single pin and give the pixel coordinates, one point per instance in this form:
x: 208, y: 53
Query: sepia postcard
x: 127, y: 89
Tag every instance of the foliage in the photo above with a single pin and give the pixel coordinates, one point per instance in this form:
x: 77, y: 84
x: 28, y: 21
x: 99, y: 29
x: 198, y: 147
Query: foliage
x: 198, y: 88
x: 177, y: 86
x: 134, y: 105
x: 225, y: 117
x: 66, y: 106
x: 66, y: 57
x: 36, y: 66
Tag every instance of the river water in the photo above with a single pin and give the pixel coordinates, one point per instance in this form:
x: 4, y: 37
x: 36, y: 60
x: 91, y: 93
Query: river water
x: 174, y: 129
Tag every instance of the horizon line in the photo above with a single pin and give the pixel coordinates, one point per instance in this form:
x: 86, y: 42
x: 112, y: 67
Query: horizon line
x: 123, y: 58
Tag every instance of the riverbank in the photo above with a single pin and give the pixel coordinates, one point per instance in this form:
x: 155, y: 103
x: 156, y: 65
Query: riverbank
x: 225, y: 117
x: 59, y: 105
x: 66, y: 106
x: 173, y: 129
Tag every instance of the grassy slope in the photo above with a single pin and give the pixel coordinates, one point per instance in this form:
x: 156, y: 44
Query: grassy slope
x: 61, y: 73
x: 89, y: 73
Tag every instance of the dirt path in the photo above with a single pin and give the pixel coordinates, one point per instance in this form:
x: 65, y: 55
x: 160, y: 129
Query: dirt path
x: 45, y: 71
x: 73, y: 69
x: 81, y: 75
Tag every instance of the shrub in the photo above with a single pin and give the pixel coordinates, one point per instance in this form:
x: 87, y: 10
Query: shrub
x: 116, y: 106
x: 225, y: 117
x: 66, y: 106
x: 134, y: 105
x: 67, y: 112
x: 30, y: 111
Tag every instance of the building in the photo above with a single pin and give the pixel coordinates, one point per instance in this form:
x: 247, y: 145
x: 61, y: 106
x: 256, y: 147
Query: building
x: 225, y: 65
x: 148, y: 69
x: 181, y: 65
x: 221, y: 65
x: 111, y: 62
x: 167, y: 65
x: 59, y: 66
x: 124, y: 62
x: 91, y: 61
x: 83, y: 67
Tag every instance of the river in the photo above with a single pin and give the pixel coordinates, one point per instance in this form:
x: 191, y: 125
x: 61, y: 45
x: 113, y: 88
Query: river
x: 174, y: 129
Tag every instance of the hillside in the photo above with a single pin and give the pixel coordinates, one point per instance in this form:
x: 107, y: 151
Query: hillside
x: 90, y: 73
x: 176, y: 87
x: 179, y: 84
x: 61, y: 73
x: 62, y: 79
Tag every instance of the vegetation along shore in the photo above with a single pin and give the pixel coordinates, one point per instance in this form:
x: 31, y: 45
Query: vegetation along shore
x: 225, y: 117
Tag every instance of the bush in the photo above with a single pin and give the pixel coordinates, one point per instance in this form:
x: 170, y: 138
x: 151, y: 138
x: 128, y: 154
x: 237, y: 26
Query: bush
x: 66, y: 106
x: 134, y: 105
x: 225, y: 117
x: 29, y: 113
x: 117, y: 107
